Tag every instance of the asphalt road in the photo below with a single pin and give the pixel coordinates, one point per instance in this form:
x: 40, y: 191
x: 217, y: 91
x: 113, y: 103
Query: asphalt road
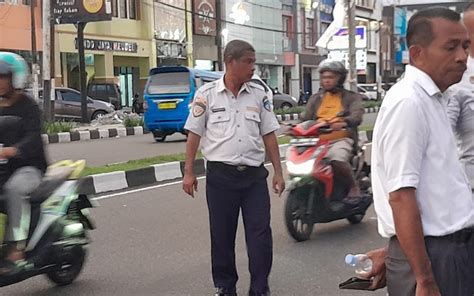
x: 114, y: 150
x: 156, y: 242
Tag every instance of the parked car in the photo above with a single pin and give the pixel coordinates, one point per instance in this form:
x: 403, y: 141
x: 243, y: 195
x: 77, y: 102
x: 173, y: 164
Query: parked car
x: 283, y: 101
x: 107, y: 92
x: 67, y: 104
x: 371, y: 91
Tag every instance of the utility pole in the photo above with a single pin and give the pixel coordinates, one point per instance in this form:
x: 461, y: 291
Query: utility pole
x: 219, y: 34
x: 47, y: 59
x: 82, y: 71
x: 34, y: 51
x: 352, y: 49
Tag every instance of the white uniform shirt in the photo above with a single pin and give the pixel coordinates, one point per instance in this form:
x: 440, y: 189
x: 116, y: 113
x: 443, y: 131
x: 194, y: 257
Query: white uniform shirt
x: 413, y: 146
x: 461, y: 114
x: 232, y: 128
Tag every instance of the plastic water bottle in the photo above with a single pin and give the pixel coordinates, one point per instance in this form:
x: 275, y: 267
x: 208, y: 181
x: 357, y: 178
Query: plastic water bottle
x: 361, y: 262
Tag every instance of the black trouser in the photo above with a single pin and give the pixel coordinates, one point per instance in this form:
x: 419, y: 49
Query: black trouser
x: 452, y: 261
x: 229, y: 189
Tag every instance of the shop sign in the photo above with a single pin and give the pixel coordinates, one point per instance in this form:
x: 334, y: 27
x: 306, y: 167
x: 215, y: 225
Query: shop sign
x: 108, y: 45
x: 340, y: 40
x: 76, y: 11
x: 205, y: 17
x: 343, y: 56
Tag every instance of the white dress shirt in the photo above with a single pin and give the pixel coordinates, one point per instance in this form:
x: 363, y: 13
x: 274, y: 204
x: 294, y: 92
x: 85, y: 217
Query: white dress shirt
x: 461, y: 114
x: 413, y: 146
x: 232, y: 127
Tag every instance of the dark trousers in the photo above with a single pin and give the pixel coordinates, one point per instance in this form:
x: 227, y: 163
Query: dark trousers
x: 228, y: 190
x: 452, y: 261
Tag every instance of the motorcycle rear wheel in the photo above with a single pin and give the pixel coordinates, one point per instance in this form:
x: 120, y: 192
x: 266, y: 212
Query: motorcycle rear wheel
x: 297, y: 222
x: 69, y: 268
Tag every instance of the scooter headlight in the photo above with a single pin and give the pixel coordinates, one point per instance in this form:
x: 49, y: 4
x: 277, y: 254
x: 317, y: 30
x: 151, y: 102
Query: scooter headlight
x: 304, y: 168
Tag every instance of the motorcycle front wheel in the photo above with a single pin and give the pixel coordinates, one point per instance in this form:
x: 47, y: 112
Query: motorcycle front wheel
x: 297, y: 220
x: 68, y: 268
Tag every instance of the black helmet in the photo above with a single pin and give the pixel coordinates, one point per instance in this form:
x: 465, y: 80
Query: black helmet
x: 335, y: 67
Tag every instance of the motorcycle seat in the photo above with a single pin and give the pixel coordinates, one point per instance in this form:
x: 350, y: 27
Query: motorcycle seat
x: 52, y: 180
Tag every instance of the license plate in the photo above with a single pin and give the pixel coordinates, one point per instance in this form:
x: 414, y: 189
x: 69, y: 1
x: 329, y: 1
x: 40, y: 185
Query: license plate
x: 167, y: 106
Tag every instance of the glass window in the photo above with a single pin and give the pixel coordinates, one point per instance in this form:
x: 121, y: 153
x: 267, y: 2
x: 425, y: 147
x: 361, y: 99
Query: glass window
x: 169, y: 83
x: 132, y: 9
x: 70, y: 96
x: 309, y: 33
x: 114, y: 8
x: 123, y: 8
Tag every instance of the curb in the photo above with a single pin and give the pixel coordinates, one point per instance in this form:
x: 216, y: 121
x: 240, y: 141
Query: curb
x: 162, y: 173
x: 93, y: 134
x: 133, y: 131
x: 295, y: 116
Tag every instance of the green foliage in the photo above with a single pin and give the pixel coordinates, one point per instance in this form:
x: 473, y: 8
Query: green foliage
x: 62, y: 126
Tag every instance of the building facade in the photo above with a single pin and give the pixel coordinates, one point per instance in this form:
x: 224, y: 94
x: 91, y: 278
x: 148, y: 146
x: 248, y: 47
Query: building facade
x: 119, y: 51
x: 15, y: 28
x: 396, y: 15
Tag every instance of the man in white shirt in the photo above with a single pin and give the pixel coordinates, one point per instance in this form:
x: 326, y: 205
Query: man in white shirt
x: 461, y: 104
x: 421, y: 193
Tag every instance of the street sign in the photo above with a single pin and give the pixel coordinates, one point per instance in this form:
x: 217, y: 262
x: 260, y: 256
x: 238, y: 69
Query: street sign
x: 76, y: 11
x: 340, y: 40
x: 343, y: 56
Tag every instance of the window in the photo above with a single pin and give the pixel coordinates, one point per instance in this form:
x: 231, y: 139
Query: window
x: 132, y: 9
x: 309, y: 32
x: 287, y: 26
x: 169, y: 83
x: 123, y: 8
x: 114, y: 8
x: 26, y: 2
x: 126, y: 9
x: 69, y: 96
x: 365, y: 3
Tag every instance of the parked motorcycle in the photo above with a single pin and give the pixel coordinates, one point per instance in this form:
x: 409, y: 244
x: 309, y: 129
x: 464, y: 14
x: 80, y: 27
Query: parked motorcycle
x: 59, y: 221
x: 315, y: 194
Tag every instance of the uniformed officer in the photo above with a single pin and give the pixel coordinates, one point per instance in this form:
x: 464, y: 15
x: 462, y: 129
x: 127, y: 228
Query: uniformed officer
x: 234, y: 118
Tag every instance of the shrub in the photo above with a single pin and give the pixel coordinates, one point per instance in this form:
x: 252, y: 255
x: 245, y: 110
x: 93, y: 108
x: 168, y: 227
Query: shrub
x: 62, y: 126
x: 132, y: 121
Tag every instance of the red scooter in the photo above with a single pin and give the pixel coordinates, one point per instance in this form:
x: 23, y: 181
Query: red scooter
x: 315, y: 194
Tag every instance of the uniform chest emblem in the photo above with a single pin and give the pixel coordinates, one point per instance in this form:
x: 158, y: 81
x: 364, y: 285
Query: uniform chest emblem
x: 266, y: 104
x: 471, y: 79
x: 199, y: 107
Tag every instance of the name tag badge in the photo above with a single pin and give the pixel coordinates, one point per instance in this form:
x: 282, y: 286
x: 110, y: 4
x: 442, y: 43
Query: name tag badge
x: 215, y: 110
x: 471, y: 79
x: 253, y: 109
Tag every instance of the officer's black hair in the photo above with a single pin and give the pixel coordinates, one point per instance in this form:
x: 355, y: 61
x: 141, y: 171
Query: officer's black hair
x: 420, y: 29
x: 236, y: 49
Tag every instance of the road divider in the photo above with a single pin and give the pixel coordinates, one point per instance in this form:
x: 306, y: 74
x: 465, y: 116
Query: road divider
x: 165, y: 172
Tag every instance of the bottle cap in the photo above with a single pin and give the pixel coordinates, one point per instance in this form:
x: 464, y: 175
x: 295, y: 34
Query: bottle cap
x: 350, y: 259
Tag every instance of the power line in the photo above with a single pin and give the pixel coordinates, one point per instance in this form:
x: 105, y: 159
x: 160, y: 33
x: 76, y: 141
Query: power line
x: 232, y: 23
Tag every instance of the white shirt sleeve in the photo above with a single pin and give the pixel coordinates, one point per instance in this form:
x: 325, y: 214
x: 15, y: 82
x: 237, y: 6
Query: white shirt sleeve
x: 197, y: 118
x: 269, y: 122
x: 454, y: 108
x: 402, y: 144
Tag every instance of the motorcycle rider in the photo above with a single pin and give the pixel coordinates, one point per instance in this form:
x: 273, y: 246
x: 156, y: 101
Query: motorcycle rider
x: 342, y: 111
x: 24, y: 155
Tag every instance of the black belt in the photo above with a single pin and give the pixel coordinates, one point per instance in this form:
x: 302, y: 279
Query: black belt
x: 229, y: 167
x: 460, y: 236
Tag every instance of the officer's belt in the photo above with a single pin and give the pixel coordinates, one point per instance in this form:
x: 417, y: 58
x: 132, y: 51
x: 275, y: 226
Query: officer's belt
x: 233, y: 168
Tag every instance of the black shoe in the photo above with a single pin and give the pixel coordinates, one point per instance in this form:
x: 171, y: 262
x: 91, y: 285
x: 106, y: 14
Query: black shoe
x: 225, y: 292
x: 252, y: 293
